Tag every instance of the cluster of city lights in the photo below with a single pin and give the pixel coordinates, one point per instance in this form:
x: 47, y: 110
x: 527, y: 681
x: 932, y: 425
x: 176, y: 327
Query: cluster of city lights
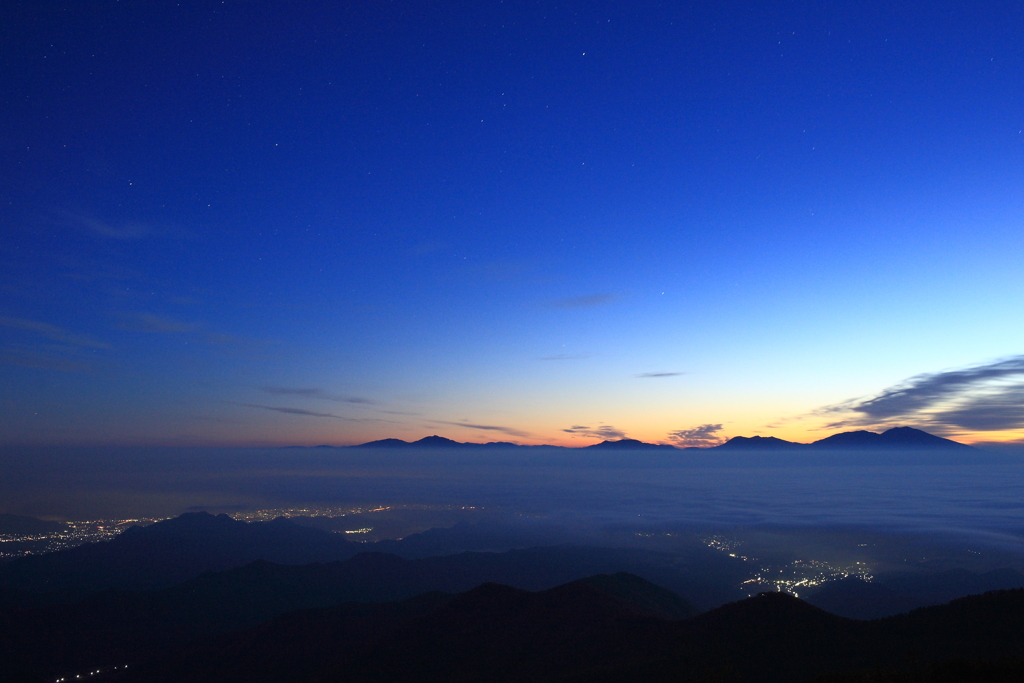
x: 791, y: 578
x: 73, y: 534
x: 273, y: 513
x: 87, y: 674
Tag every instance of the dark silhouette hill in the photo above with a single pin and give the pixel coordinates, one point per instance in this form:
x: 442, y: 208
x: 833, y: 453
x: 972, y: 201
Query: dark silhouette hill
x: 434, y: 441
x: 442, y: 442
x: 114, y: 626
x: 858, y: 599
x: 19, y: 524
x: 630, y: 445
x: 642, y: 595
x: 169, y: 552
x: 757, y: 443
x: 899, y: 593
x: 578, y: 632
x: 895, y: 438
x: 423, y: 636
x: 383, y: 443
x: 934, y: 588
x: 176, y: 550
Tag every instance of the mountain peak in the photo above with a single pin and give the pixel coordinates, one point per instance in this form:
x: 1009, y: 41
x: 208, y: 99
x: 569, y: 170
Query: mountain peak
x: 758, y: 443
x: 896, y: 437
x: 436, y: 441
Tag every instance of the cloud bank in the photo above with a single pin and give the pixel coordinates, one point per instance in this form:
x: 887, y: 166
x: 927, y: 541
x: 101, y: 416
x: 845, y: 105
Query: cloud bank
x: 987, y: 397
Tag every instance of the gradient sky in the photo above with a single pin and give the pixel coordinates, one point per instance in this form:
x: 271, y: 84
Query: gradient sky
x: 319, y: 222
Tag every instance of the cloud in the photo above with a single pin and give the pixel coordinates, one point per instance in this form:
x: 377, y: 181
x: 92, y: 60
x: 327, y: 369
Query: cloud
x: 660, y: 374
x: 293, y: 411
x: 52, y: 332
x: 314, y: 392
x: 147, y: 322
x: 601, y: 432
x: 584, y: 301
x: 565, y: 356
x: 987, y: 397
x: 490, y: 428
x: 704, y: 436
x: 997, y: 411
x: 126, y: 231
x: 31, y: 359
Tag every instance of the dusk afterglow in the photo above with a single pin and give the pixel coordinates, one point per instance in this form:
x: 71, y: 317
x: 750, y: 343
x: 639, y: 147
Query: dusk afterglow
x: 249, y: 223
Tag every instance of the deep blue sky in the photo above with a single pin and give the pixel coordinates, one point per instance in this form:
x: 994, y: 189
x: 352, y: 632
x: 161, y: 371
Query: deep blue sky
x: 255, y: 222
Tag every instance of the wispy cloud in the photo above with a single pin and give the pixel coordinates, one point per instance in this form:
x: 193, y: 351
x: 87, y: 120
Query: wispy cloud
x: 197, y: 332
x: 599, y: 432
x: 490, y: 428
x: 986, y: 397
x: 660, y: 374
x: 584, y: 301
x: 117, y: 230
x: 294, y: 411
x: 52, y: 332
x: 147, y: 322
x: 125, y: 231
x: 704, y: 436
x: 314, y: 392
x: 32, y: 359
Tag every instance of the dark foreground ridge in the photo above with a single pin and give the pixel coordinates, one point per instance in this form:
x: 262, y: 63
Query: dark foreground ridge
x: 897, y: 438
x: 600, y: 629
x: 527, y: 614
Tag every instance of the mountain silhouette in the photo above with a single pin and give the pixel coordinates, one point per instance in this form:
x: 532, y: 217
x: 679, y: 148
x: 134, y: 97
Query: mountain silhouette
x: 858, y: 599
x: 442, y: 442
x: 431, y: 637
x: 578, y: 631
x: 548, y: 614
x: 169, y: 552
x: 114, y: 625
x: 434, y: 441
x: 19, y: 524
x: 383, y: 443
x: 757, y: 443
x: 179, y: 549
x: 897, y: 437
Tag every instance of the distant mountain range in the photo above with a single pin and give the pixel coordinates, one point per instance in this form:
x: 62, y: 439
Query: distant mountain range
x: 897, y: 438
x: 441, y: 442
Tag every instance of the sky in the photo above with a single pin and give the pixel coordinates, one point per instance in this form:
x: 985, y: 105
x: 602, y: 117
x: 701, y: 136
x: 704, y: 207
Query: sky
x: 251, y: 223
